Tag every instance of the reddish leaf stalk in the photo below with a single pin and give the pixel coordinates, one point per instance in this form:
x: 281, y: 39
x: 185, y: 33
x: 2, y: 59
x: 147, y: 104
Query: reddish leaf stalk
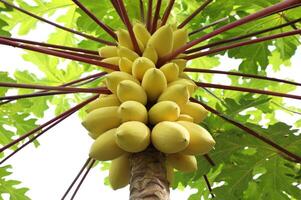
x: 262, y: 13
x: 58, y: 88
x: 210, y: 71
x: 129, y: 26
x: 23, y: 96
x: 58, y: 54
x: 89, y: 56
x: 156, y: 16
x: 52, y: 45
x: 105, y: 27
x: 75, y: 108
x: 142, y: 13
x: 240, y: 44
x: 167, y: 12
x: 195, y: 13
x: 83, y: 179
x: 57, y: 25
x: 208, y: 26
x: 35, y: 137
x: 242, y: 89
x: 116, y: 6
x: 149, y: 15
x: 77, y: 177
x: 241, y: 37
x: 250, y: 131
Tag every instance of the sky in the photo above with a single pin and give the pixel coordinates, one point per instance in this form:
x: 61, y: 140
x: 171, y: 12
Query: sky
x: 49, y: 169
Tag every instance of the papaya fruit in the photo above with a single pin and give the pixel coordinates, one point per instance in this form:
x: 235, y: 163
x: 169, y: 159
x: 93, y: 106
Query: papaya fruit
x: 128, y: 90
x: 105, y: 148
x: 191, y: 86
x: 169, y: 173
x: 180, y: 38
x: 141, y: 33
x: 154, y: 83
x: 112, y: 60
x: 140, y: 66
x: 171, y: 71
x: 120, y: 172
x: 125, y: 40
x: 125, y: 65
x: 132, y: 111
x: 184, y: 117
x: 201, y: 142
x: 196, y: 111
x: 150, y: 53
x: 164, y: 111
x: 133, y: 136
x: 100, y: 120
x: 108, y: 51
x: 127, y: 53
x: 113, y: 79
x: 103, y: 101
x: 181, y: 63
x: 170, y: 137
x: 162, y: 40
x: 177, y: 93
x: 184, y: 163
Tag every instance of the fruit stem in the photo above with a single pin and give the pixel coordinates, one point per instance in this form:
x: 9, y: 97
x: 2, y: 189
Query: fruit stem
x: 57, y: 25
x: 167, y: 12
x: 242, y: 37
x: 156, y: 16
x: 142, y: 13
x: 209, y: 159
x: 129, y: 26
x: 209, y: 25
x: 52, y: 45
x: 58, y: 54
x: 77, y: 177
x: 242, y: 89
x: 75, y: 108
x: 262, y: 13
x: 210, y: 71
x: 195, y: 13
x: 105, y: 27
x: 240, y: 44
x: 208, y: 186
x: 249, y: 131
x: 83, y: 179
x: 149, y: 15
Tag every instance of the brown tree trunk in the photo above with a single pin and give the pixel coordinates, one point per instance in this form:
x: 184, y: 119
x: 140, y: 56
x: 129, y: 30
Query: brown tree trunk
x: 149, y: 179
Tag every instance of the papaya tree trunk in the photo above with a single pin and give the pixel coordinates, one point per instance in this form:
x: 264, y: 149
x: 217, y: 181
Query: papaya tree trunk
x: 148, y: 176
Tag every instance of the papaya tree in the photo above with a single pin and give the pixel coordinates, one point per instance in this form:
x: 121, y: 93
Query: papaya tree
x: 142, y: 75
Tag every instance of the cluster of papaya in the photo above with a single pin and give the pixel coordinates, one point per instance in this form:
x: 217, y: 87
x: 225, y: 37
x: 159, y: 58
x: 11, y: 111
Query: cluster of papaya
x: 149, y: 105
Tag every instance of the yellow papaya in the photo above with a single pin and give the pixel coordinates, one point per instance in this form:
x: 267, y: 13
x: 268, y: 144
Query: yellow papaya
x: 112, y: 60
x: 196, y: 111
x: 177, y: 93
x: 171, y: 71
x: 180, y: 38
x: 150, y: 53
x: 141, y: 33
x: 184, y: 163
x: 103, y: 101
x: 125, y: 65
x: 120, y: 172
x: 184, y: 117
x: 170, y: 137
x: 133, y: 136
x: 154, y: 83
x: 108, y: 51
x: 140, y: 66
x: 114, y: 78
x: 162, y: 40
x: 105, y: 148
x: 130, y: 91
x: 201, y: 142
x: 181, y: 64
x: 132, y: 111
x: 191, y: 86
x: 127, y: 53
x: 164, y: 111
x: 100, y: 120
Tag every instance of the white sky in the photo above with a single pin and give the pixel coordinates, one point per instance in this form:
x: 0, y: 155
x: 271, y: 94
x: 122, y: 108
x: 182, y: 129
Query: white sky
x: 49, y: 169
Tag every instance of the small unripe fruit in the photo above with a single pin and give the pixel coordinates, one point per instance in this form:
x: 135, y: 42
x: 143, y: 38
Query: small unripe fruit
x: 113, y: 79
x: 196, y: 111
x: 164, y: 111
x: 184, y: 163
x: 132, y: 111
x: 120, y: 172
x: 141, y: 33
x: 108, y: 51
x: 169, y: 137
x: 140, y: 66
x: 130, y: 91
x: 125, y: 40
x: 133, y: 136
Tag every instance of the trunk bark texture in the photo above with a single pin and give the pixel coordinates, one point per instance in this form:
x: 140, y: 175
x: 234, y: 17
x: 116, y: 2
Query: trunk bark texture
x: 148, y: 176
